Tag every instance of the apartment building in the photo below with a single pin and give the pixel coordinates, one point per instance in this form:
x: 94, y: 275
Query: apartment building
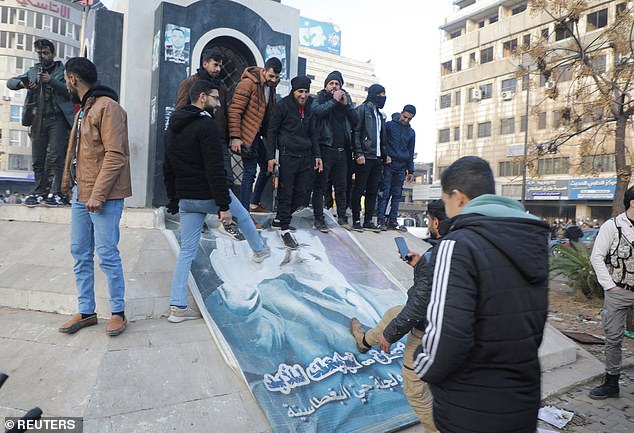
x: 21, y: 23
x: 482, y: 107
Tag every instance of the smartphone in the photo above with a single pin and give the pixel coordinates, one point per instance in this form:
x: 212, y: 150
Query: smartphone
x: 402, y: 248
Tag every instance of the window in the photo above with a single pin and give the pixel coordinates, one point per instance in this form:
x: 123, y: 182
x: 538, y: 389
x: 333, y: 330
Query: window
x: 4, y: 40
x: 493, y: 19
x: 525, y: 81
x: 455, y: 34
x: 30, y: 19
x: 598, y: 63
x: 487, y: 91
x: 48, y: 23
x: 562, y: 32
x: 4, y: 15
x: 62, y: 28
x: 16, y: 113
x: 542, y: 80
x: 444, y: 135
x: 481, y: 24
x: 456, y: 133
x: 556, y: 119
x: 20, y: 162
x: 457, y: 97
x: 507, y: 126
x: 39, y: 21
x: 541, y: 120
x: 19, y: 41
x: 472, y: 60
x: 553, y: 165
x: 511, y: 168
x: 484, y: 129
x: 446, y: 68
x: 486, y: 55
x: 29, y: 43
x: 544, y: 33
x: 509, y: 47
x: 445, y: 101
x: 70, y: 30
x: 620, y: 8
x: 601, y: 163
x: 518, y: 9
x: 469, y: 132
x: 15, y: 137
x: 564, y: 73
x: 526, y: 41
x: 19, y: 63
x: 509, y: 85
x: 523, y: 123
x: 597, y: 19
x: 458, y: 64
x: 21, y: 17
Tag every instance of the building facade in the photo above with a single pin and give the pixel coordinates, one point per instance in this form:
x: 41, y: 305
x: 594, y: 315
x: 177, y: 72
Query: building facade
x: 482, y: 108
x: 357, y: 75
x: 21, y: 23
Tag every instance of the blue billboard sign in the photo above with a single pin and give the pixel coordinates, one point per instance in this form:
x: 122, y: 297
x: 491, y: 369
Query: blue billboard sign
x: 592, y: 188
x: 319, y: 35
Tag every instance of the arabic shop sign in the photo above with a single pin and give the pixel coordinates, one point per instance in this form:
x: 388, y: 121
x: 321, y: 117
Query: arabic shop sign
x: 50, y: 6
x: 547, y: 190
x: 289, y: 377
x: 592, y: 188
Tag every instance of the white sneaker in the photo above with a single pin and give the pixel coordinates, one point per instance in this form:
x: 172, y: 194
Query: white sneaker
x: 178, y: 315
x: 259, y: 257
x: 231, y: 231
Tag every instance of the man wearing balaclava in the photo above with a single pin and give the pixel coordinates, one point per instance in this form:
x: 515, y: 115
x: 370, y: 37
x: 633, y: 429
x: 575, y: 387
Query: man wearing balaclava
x: 370, y: 153
x: 49, y: 112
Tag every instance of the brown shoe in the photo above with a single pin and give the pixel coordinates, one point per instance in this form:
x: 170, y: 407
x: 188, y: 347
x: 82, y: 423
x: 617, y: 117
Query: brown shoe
x: 258, y: 209
x: 257, y: 226
x: 358, y: 332
x: 76, y: 323
x: 116, y: 325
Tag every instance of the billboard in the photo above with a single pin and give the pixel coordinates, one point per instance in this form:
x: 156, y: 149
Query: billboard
x: 319, y: 35
x: 592, y: 188
x: 547, y: 190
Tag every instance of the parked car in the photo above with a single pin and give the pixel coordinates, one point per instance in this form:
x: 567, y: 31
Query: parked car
x: 410, y: 224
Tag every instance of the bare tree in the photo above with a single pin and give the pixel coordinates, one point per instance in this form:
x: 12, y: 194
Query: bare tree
x: 592, y: 76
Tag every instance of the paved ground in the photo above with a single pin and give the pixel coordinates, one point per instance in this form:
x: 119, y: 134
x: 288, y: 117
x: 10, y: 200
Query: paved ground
x: 613, y: 415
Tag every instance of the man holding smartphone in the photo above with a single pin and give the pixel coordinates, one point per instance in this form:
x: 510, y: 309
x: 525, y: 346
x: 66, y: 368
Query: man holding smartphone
x: 409, y: 319
x: 49, y: 112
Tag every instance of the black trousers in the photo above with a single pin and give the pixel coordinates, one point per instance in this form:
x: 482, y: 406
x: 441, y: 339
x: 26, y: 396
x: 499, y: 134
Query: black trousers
x: 49, y: 143
x: 328, y: 198
x: 366, y: 182
x: 295, y: 175
x: 336, y: 169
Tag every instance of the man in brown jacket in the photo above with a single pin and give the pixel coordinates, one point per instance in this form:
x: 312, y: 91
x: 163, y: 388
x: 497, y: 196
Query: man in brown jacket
x: 252, y: 103
x: 97, y: 170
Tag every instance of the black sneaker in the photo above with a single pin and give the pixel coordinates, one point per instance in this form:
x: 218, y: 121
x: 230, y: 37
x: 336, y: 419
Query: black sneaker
x: 33, y: 200
x: 392, y: 225
x: 343, y: 222
x: 231, y: 231
x: 382, y: 227
x: 356, y: 226
x: 371, y: 226
x: 277, y: 225
x: 321, y: 226
x: 289, y: 240
x: 55, y: 200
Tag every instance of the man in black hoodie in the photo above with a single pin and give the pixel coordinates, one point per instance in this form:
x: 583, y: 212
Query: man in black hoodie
x: 487, y: 309
x: 292, y: 132
x: 196, y: 184
x: 370, y: 152
x: 409, y: 319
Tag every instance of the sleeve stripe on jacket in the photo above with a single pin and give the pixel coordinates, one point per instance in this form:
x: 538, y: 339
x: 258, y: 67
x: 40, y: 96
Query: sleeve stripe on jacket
x: 435, y: 310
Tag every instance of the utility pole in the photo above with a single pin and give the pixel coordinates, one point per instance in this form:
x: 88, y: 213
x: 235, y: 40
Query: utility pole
x: 525, y: 161
x: 84, y: 19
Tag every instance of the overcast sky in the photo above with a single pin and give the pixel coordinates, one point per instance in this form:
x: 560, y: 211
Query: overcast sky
x: 402, y: 40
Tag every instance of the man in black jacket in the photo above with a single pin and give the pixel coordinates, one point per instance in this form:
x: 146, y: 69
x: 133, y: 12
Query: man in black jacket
x: 292, y: 132
x: 336, y: 122
x: 409, y: 319
x: 370, y: 152
x: 487, y: 308
x: 196, y: 184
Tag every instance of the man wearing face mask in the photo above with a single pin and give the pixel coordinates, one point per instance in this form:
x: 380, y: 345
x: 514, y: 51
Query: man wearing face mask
x: 370, y: 152
x: 292, y: 131
x: 49, y: 112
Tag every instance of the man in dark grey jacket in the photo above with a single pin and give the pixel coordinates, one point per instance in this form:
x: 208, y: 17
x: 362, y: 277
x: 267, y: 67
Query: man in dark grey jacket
x: 409, y: 319
x: 370, y: 152
x: 49, y: 112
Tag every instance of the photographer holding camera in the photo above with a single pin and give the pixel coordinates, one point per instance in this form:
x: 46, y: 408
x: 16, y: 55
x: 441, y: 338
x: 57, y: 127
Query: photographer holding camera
x: 49, y: 112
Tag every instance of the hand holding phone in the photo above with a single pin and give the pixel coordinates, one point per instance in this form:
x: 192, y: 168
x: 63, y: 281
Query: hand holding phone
x: 402, y: 248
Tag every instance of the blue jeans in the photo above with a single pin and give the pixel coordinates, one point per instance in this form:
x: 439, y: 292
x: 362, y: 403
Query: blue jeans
x: 250, y: 167
x: 192, y: 215
x: 100, y: 230
x: 391, y: 187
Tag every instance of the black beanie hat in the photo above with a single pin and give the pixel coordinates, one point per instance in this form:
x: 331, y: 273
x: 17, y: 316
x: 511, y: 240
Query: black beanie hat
x: 300, y: 82
x: 334, y: 75
x: 410, y: 109
x: 375, y: 89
